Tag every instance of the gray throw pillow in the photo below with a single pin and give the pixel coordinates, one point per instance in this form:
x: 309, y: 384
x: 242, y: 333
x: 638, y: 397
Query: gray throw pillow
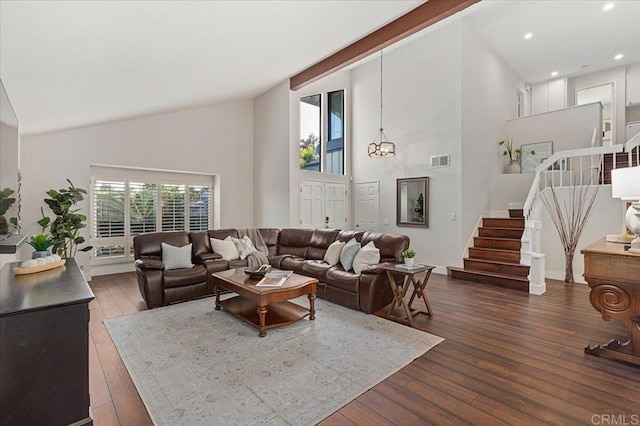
x: 349, y: 253
x: 176, y: 257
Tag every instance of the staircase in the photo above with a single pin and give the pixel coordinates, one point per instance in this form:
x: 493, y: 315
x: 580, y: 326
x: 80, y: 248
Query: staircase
x: 495, y: 256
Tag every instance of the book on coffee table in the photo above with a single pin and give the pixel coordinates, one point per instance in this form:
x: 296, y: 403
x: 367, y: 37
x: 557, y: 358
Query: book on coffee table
x: 274, y: 279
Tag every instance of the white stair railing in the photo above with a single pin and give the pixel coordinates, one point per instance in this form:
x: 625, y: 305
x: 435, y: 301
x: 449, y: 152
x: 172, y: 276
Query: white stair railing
x: 633, y: 143
x: 562, y: 169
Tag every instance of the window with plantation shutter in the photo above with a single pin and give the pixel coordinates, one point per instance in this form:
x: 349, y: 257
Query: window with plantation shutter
x: 109, y: 208
x: 199, y: 201
x: 143, y: 203
x: 131, y: 202
x: 173, y: 207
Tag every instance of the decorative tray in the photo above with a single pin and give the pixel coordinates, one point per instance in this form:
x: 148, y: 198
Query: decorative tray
x: 32, y: 270
x: 254, y: 273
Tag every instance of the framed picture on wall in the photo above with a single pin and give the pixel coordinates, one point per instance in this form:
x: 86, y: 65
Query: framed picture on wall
x: 541, y: 151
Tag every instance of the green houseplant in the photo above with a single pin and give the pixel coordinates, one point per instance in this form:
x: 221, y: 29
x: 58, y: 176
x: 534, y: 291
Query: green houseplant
x: 65, y: 227
x: 6, y: 201
x: 513, y: 155
x: 41, y: 243
x: 409, y: 256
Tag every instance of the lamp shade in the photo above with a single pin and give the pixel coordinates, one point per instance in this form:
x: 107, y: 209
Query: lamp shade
x: 625, y: 183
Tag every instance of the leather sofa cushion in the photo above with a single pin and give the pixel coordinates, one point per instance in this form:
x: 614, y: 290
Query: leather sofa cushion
x: 221, y: 234
x: 321, y: 239
x: 391, y: 245
x: 339, y: 278
x: 201, y: 244
x: 270, y: 237
x: 345, y: 235
x: 316, y: 269
x: 294, y: 241
x: 182, y: 277
x: 149, y: 245
x: 292, y: 263
x: 238, y: 263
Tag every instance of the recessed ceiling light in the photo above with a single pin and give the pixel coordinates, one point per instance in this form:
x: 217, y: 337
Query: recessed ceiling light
x: 608, y: 6
x: 618, y: 56
x: 527, y: 36
x: 553, y: 74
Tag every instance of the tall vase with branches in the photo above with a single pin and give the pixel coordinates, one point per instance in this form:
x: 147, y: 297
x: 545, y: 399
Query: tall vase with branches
x: 569, y: 218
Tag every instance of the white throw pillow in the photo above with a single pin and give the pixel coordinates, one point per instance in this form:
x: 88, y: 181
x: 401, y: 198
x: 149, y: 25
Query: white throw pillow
x: 349, y: 253
x: 225, y: 248
x: 332, y: 255
x: 176, y: 257
x: 244, y: 245
x: 367, y: 255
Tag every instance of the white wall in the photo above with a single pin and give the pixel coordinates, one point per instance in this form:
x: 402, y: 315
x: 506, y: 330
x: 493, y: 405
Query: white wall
x: 422, y: 115
x: 607, y: 218
x: 489, y: 87
x: 338, y: 81
x: 508, y: 188
x: 271, y: 153
x: 214, y: 140
x: 569, y: 128
x: 618, y: 77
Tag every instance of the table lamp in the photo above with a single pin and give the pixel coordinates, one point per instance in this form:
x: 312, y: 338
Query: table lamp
x: 625, y: 184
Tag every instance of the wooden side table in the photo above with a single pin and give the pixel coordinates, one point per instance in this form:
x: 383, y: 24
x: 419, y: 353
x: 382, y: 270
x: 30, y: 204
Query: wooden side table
x: 400, y: 288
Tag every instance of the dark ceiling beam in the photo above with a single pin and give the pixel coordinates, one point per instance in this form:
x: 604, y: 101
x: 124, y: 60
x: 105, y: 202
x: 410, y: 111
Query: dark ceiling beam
x: 410, y: 23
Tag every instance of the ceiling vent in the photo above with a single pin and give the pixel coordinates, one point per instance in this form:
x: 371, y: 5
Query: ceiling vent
x: 440, y: 161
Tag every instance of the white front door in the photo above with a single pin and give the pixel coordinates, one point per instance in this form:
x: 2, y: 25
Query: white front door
x: 335, y: 205
x: 367, y: 206
x: 312, y: 210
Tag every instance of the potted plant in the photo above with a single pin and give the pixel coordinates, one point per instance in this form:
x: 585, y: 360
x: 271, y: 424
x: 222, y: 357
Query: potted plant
x: 409, y: 256
x: 65, y: 227
x: 41, y: 243
x: 6, y: 201
x: 513, y: 156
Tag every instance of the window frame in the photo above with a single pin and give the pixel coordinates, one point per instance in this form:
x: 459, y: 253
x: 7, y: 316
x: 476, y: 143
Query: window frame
x: 159, y: 178
x: 325, y: 130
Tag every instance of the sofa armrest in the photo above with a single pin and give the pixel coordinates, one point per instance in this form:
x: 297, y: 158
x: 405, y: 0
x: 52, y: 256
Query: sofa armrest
x: 149, y: 264
x: 208, y: 257
x: 377, y: 269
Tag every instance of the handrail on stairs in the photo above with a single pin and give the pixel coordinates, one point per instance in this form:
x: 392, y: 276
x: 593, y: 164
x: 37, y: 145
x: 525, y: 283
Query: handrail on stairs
x: 563, y: 158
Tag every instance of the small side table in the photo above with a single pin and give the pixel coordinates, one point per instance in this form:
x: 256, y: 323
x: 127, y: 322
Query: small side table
x: 400, y: 288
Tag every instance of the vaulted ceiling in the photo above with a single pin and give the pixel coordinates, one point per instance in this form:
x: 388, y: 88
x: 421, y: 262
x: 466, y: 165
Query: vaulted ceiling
x: 69, y: 64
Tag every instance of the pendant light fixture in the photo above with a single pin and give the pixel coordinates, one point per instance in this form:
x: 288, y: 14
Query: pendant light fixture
x: 380, y: 147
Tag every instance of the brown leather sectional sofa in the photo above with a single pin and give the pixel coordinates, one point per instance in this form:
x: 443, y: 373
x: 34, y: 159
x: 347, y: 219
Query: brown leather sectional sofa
x: 299, y: 250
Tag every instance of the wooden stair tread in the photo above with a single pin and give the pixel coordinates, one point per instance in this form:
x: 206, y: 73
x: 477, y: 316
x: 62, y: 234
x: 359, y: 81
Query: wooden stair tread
x: 498, y: 238
x: 496, y: 262
x: 489, y: 274
x: 496, y: 250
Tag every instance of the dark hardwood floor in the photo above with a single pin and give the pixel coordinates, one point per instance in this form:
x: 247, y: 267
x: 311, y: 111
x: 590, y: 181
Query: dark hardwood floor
x: 508, y: 358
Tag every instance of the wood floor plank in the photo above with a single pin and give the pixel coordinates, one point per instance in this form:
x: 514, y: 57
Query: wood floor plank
x: 508, y: 357
x: 105, y: 415
x: 360, y: 414
x: 98, y: 388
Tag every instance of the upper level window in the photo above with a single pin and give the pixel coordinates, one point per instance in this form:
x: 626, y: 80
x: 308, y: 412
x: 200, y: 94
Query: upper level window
x: 335, y: 142
x: 310, y: 125
x: 320, y: 150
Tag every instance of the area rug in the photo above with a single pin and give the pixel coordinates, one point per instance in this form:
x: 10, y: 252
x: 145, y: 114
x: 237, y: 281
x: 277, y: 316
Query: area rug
x: 193, y: 365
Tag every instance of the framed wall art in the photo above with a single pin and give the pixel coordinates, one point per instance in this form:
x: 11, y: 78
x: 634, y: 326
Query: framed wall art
x: 541, y: 151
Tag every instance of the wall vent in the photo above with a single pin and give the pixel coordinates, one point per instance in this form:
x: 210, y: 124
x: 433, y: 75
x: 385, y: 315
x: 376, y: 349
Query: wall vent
x: 440, y: 161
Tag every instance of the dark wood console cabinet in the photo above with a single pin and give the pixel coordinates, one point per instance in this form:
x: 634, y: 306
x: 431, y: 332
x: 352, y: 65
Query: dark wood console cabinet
x: 614, y: 277
x: 44, y: 347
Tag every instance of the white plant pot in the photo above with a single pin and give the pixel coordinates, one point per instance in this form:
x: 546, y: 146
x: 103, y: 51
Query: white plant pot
x: 409, y: 261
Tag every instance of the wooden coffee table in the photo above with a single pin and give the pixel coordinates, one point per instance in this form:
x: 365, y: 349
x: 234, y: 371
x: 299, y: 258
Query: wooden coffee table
x: 253, y: 303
